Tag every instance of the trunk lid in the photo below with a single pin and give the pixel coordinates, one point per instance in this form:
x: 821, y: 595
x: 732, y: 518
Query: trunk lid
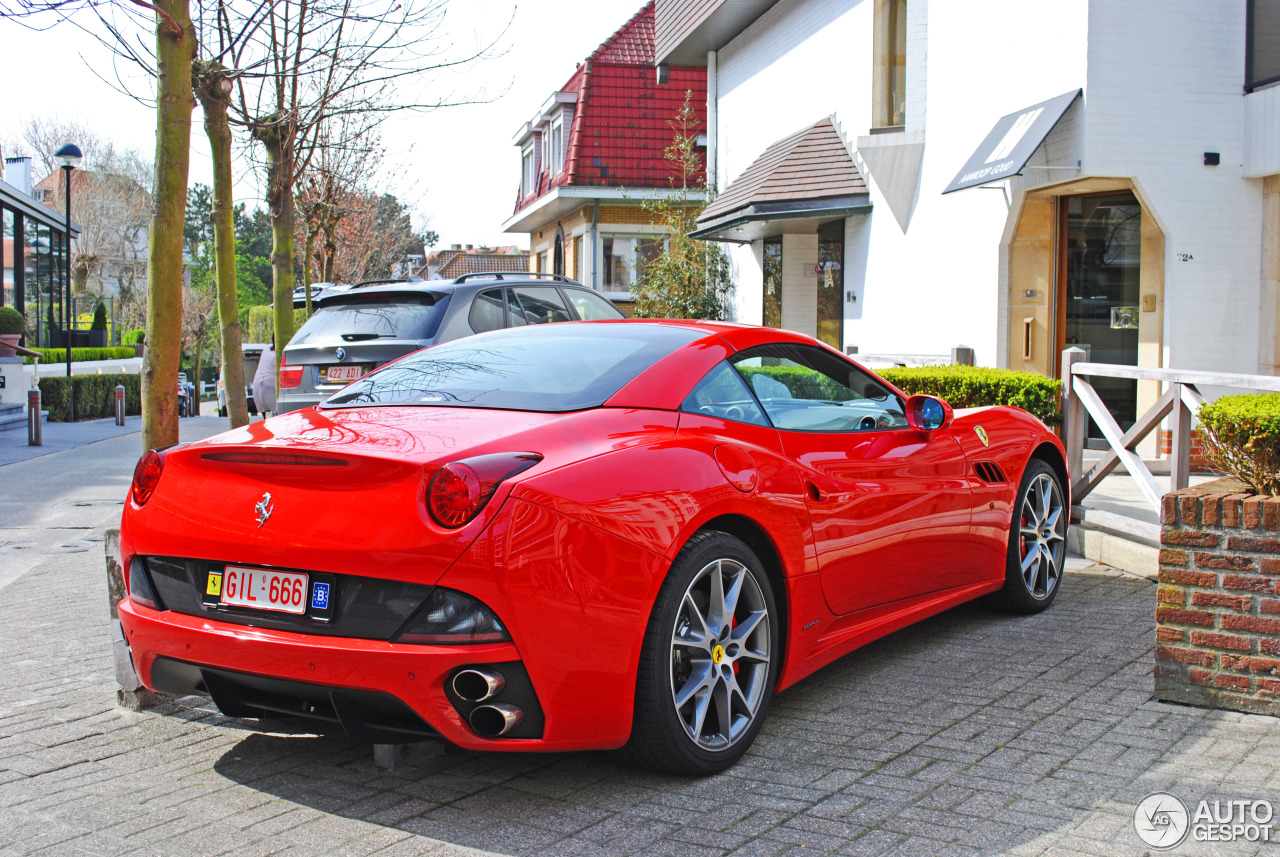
x: 342, y: 490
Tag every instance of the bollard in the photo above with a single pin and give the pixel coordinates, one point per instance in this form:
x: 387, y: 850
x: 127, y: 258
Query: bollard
x: 119, y: 404
x: 35, y: 428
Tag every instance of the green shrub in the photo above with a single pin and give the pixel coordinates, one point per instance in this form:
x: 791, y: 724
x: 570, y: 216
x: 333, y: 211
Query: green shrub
x: 960, y: 386
x: 975, y: 386
x: 99, y: 317
x: 95, y: 395
x: 260, y: 324
x: 133, y: 337
x: 59, y: 355
x: 11, y: 321
x: 1241, y: 437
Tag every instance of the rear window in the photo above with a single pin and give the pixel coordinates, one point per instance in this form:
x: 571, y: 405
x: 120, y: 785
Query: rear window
x: 534, y: 368
x: 359, y: 318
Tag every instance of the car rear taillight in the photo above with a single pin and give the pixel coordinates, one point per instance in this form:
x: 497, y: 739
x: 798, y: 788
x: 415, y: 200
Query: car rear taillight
x: 290, y: 376
x: 146, y: 476
x: 458, y: 490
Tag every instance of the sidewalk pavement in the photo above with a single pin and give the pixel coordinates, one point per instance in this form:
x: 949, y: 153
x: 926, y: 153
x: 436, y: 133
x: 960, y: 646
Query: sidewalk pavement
x: 972, y: 733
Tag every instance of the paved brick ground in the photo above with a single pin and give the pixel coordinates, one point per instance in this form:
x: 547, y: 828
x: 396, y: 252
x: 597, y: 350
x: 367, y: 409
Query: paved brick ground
x: 972, y: 733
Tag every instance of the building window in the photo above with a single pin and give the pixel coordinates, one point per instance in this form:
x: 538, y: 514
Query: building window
x: 625, y: 259
x: 557, y: 147
x: 529, y: 178
x: 889, y: 76
x: 1262, y: 44
x: 772, y: 282
x: 577, y: 257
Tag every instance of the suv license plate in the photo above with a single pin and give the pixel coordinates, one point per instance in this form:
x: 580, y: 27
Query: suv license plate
x: 263, y: 589
x: 343, y: 374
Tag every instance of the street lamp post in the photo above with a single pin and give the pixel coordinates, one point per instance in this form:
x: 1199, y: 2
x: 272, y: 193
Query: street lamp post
x: 68, y: 158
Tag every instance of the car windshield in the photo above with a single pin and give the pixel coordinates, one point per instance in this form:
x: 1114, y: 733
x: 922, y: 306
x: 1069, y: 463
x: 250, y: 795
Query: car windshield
x: 360, y: 317
x: 565, y: 367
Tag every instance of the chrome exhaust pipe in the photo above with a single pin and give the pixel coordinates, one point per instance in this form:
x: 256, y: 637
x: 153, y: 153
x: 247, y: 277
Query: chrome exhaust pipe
x: 476, y: 685
x: 494, y: 721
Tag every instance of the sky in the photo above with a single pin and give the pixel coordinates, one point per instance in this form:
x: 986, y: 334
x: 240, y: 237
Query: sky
x: 457, y: 168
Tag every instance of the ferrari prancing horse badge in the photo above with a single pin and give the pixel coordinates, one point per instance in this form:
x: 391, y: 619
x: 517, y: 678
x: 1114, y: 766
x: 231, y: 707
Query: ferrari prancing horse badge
x: 982, y: 435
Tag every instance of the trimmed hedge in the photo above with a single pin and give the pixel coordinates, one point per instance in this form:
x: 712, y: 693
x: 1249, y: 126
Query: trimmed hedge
x: 959, y: 386
x: 133, y: 337
x: 1241, y: 436
x: 976, y: 386
x: 95, y: 396
x: 59, y: 355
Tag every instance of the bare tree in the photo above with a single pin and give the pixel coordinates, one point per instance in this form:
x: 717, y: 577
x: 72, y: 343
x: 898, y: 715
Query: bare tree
x: 302, y: 66
x: 117, y: 24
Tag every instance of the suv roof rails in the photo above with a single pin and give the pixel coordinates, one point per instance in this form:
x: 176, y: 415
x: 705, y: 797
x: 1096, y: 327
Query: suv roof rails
x: 387, y: 282
x: 516, y: 275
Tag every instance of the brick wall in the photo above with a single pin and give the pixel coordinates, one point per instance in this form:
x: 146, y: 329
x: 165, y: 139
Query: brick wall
x: 1198, y: 462
x: 1218, y: 602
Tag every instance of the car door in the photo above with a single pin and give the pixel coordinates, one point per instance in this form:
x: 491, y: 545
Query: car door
x: 890, y: 506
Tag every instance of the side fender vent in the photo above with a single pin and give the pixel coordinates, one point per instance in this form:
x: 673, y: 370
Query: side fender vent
x: 989, y: 472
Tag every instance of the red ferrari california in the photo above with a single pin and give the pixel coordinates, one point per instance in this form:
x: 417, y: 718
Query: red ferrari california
x: 600, y: 535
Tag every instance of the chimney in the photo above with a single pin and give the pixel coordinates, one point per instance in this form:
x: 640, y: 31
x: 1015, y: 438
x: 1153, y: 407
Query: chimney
x: 456, y: 247
x: 17, y: 172
x: 470, y: 247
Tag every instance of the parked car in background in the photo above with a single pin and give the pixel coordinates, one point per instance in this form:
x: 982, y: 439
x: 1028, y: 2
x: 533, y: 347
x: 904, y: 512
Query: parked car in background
x: 585, y: 536
x: 188, y: 403
x: 252, y: 353
x: 356, y: 330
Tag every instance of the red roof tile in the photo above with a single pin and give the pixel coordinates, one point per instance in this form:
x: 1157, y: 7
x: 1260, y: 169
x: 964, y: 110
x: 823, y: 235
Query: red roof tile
x: 622, y: 119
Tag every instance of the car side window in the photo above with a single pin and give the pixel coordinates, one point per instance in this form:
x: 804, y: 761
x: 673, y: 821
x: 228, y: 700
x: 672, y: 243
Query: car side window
x: 486, y: 311
x: 806, y: 388
x: 722, y: 393
x: 542, y: 305
x: 515, y: 312
x: 590, y: 306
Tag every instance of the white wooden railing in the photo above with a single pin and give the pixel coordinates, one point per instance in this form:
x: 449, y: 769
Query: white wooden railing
x: 1180, y: 398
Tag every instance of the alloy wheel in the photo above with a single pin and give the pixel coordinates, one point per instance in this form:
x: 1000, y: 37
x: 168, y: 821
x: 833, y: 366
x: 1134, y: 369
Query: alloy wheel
x: 720, y: 654
x: 1043, y: 534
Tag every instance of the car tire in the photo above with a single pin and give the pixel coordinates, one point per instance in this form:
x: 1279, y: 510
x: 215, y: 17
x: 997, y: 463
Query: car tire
x: 1037, y: 542
x: 725, y: 675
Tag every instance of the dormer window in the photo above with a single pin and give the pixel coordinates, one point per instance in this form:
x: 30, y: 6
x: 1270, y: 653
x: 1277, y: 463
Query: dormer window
x: 529, y: 176
x: 556, y: 161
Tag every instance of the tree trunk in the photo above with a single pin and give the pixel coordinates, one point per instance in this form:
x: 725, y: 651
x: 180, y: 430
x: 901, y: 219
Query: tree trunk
x: 306, y: 262
x: 209, y: 78
x: 175, y: 50
x: 279, y: 146
x: 193, y: 407
x: 330, y: 246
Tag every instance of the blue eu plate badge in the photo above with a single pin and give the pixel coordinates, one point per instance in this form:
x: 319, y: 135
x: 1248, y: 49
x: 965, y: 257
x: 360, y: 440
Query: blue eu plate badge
x: 320, y: 596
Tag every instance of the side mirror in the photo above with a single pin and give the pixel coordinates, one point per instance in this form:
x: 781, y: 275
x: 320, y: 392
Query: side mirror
x: 928, y: 413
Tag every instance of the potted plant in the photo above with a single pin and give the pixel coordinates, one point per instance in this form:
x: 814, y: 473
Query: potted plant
x: 11, y: 327
x: 98, y: 330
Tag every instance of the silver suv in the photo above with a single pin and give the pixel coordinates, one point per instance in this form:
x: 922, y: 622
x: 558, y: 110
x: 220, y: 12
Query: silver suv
x: 356, y: 331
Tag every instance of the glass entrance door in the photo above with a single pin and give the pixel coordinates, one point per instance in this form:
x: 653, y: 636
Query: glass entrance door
x: 830, y: 273
x: 1099, y: 300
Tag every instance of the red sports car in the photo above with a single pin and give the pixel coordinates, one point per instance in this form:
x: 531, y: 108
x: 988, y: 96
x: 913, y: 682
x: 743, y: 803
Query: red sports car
x: 595, y: 535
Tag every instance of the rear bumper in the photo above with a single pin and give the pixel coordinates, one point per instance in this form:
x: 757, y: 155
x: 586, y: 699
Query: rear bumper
x: 287, y: 401
x: 376, y: 690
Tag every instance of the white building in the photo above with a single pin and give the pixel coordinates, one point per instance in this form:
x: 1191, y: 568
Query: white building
x: 1144, y: 226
